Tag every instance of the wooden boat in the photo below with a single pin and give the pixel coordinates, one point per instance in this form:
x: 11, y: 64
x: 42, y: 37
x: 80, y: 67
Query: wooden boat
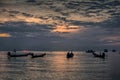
x: 36, y: 56
x: 69, y: 55
x: 99, y: 55
x: 16, y: 55
x: 113, y: 50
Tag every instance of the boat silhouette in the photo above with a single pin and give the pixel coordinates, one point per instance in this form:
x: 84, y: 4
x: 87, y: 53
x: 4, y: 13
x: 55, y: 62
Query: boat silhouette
x: 69, y: 55
x: 10, y: 54
x: 36, y: 56
x: 90, y: 51
x: 99, y: 55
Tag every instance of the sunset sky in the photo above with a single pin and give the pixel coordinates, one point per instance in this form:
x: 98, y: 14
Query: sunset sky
x: 59, y: 24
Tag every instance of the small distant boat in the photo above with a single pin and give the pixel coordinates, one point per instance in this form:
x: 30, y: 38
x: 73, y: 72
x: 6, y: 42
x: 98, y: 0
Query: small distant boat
x: 105, y: 50
x: 113, y: 50
x: 99, y: 55
x: 90, y: 51
x: 36, y: 56
x: 69, y: 55
x: 16, y: 55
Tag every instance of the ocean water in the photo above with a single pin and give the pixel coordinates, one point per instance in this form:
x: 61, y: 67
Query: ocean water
x: 55, y: 66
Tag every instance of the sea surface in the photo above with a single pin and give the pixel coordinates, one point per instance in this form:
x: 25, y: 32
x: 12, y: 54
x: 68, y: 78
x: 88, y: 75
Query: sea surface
x: 55, y: 66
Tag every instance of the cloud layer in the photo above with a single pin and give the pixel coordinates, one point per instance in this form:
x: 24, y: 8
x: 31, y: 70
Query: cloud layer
x: 63, y: 24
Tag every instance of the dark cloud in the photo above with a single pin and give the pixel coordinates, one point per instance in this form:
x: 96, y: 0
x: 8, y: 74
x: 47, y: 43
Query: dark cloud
x: 23, y: 27
x: 27, y: 15
x: 112, y: 23
x: 96, y: 6
x: 80, y: 4
x: 64, y: 13
x: 39, y: 36
x: 59, y: 18
x: 14, y: 12
x: 56, y: 9
x: 45, y: 2
x: 113, y: 3
x: 72, y: 5
x: 1, y: 4
x: 31, y: 1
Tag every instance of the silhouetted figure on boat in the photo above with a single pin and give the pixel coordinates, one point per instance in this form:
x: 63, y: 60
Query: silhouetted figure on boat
x: 69, y: 54
x: 99, y: 55
x: 8, y: 54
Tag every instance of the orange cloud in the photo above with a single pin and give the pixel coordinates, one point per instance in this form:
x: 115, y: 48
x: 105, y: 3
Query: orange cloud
x: 65, y: 29
x: 5, y: 35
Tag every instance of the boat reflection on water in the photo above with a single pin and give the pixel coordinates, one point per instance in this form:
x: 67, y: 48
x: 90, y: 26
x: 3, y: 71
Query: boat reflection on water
x: 55, y: 66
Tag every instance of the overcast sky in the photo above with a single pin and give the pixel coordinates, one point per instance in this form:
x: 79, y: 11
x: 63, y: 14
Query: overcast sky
x: 59, y: 24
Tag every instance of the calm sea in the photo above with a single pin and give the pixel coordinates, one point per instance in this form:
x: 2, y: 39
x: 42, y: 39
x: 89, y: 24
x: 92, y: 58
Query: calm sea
x: 55, y: 66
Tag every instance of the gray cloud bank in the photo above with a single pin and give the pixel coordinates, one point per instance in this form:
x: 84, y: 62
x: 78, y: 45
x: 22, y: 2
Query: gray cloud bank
x: 24, y: 35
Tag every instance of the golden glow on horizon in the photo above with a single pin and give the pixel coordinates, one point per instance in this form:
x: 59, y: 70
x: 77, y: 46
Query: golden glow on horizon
x: 65, y: 29
x: 5, y: 35
x: 29, y: 19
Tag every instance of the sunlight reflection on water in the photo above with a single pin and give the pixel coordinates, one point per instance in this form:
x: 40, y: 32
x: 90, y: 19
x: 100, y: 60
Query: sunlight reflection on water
x: 55, y: 66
